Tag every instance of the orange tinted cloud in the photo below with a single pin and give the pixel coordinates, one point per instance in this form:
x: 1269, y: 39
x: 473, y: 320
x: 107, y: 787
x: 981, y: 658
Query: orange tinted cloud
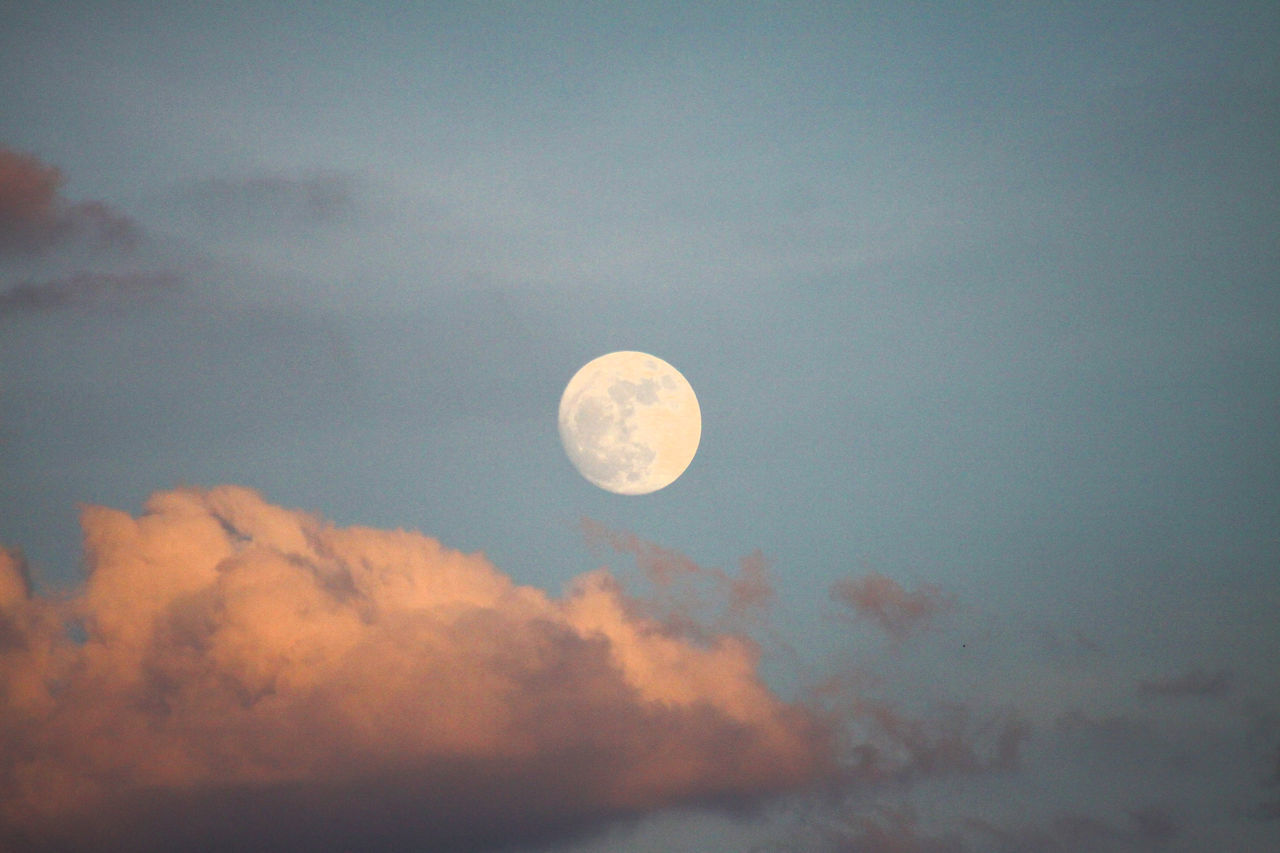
x: 250, y: 674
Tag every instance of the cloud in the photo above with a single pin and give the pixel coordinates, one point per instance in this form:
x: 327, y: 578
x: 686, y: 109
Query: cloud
x: 1270, y: 810
x: 746, y: 594
x: 34, y: 218
x: 900, y: 829
x: 251, y: 675
x: 1196, y: 682
x: 1148, y: 828
x: 86, y: 288
x: 1068, y: 647
x: 898, y: 747
x: 883, y: 600
x: 272, y: 200
x: 891, y: 830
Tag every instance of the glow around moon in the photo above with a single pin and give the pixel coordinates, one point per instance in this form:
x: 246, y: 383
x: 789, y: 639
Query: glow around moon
x: 630, y: 422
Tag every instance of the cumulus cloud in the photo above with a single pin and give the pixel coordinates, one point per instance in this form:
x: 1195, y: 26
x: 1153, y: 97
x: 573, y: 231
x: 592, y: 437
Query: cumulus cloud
x: 884, y: 601
x: 1196, y: 682
x: 249, y: 674
x: 34, y: 218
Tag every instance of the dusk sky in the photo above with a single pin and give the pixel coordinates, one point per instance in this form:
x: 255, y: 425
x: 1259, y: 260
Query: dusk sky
x: 980, y: 550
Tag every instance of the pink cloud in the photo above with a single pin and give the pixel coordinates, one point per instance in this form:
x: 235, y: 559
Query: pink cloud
x: 249, y: 671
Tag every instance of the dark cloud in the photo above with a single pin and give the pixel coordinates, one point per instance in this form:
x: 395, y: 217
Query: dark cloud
x: 883, y: 600
x: 1197, y: 682
x: 254, y: 677
x: 34, y: 218
x: 87, y: 289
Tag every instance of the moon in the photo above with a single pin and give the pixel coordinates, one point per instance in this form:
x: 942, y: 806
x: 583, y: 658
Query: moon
x: 630, y: 422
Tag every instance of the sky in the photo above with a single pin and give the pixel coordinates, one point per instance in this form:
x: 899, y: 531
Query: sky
x: 980, y: 550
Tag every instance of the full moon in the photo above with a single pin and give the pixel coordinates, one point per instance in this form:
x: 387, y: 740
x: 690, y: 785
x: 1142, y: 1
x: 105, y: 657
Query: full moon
x: 630, y: 422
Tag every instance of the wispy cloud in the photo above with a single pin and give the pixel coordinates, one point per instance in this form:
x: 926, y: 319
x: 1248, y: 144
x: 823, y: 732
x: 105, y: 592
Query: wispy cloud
x: 312, y: 198
x: 890, y: 830
x: 1148, y: 828
x: 898, y: 746
x: 746, y: 594
x: 883, y: 600
x: 35, y: 218
x: 87, y: 289
x: 1196, y: 682
x: 901, y: 829
x: 240, y: 659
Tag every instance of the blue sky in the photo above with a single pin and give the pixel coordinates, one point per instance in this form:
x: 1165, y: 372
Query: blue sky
x: 980, y: 305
